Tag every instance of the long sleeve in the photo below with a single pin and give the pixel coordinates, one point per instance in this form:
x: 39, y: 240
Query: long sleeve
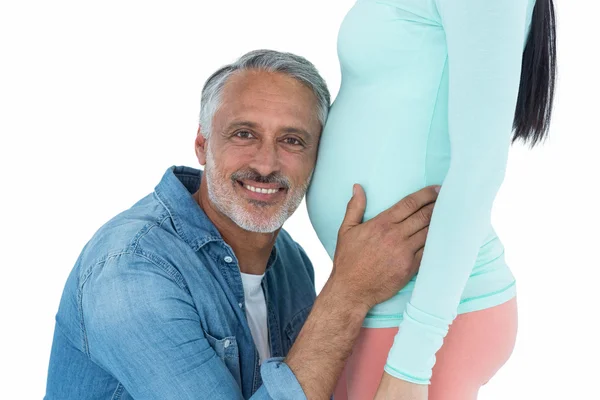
x: 485, y: 45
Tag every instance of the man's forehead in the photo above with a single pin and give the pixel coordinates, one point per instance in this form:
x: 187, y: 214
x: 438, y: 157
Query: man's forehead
x: 250, y: 86
x: 247, y: 100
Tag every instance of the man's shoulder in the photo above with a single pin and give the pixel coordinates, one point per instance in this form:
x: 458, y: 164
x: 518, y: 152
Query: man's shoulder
x: 118, y: 258
x: 139, y: 229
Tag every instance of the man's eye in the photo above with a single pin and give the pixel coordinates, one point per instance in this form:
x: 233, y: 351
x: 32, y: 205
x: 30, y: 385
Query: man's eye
x: 293, y: 141
x: 243, y: 134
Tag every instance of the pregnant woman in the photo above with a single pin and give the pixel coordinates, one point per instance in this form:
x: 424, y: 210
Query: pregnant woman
x: 431, y: 92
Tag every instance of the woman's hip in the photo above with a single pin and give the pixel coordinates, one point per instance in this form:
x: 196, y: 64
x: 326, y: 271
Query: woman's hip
x: 477, y: 345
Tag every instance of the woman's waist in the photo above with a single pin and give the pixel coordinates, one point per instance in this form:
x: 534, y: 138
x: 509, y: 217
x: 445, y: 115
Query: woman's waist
x: 487, y: 292
x: 493, y: 284
x: 490, y: 275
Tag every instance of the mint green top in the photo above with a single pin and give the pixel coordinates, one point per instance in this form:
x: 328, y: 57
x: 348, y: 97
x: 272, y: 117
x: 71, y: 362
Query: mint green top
x: 428, y: 96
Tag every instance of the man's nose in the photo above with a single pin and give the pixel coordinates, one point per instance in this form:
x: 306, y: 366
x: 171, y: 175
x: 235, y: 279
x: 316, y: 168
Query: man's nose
x: 266, y: 159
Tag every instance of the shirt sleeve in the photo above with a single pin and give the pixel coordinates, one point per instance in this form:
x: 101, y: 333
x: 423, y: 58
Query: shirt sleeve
x: 141, y: 325
x: 485, y: 47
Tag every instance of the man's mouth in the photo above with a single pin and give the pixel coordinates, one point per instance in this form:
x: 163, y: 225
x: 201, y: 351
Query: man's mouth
x: 262, y: 191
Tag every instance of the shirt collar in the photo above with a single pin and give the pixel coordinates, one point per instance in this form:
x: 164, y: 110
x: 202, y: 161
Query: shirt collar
x: 175, y: 191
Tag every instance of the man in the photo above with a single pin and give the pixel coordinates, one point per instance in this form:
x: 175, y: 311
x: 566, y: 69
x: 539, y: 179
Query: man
x: 196, y: 292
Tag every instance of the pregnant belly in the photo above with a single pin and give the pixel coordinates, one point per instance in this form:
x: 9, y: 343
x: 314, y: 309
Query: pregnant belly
x: 369, y: 145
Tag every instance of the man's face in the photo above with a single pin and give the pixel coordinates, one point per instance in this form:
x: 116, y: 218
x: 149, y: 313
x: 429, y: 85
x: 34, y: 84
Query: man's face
x: 262, y: 149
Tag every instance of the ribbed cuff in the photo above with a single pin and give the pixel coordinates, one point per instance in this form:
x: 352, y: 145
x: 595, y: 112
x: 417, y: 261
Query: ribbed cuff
x: 419, y: 337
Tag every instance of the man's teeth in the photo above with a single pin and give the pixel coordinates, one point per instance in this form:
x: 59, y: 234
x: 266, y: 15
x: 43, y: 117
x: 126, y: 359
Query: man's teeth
x: 259, y: 190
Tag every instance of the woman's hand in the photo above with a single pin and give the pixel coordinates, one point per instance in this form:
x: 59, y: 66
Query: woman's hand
x: 391, y: 388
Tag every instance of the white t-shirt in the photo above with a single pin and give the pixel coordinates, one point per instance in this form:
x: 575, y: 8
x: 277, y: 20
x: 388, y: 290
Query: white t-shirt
x: 256, y: 312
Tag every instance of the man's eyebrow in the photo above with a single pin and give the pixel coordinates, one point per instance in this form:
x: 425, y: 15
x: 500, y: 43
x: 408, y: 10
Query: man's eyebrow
x: 240, y: 124
x: 253, y: 125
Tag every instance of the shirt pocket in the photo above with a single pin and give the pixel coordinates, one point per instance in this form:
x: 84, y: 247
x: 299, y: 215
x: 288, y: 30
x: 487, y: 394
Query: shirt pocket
x: 227, y: 350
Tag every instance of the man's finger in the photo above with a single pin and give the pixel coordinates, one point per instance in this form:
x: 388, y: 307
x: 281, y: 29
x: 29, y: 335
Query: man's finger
x: 417, y: 221
x: 417, y: 241
x: 355, y: 209
x: 411, y: 204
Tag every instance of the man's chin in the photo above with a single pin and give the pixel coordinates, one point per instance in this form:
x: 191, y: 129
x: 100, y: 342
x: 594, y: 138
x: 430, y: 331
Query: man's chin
x: 258, y: 228
x: 253, y: 225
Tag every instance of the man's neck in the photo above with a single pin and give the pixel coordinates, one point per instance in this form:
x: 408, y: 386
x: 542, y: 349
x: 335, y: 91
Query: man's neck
x: 252, y: 249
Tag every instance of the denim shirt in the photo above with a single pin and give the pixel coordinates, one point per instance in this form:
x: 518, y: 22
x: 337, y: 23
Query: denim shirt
x: 154, y: 309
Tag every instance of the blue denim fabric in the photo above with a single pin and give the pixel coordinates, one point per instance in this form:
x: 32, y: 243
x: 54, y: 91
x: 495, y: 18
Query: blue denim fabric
x: 154, y: 309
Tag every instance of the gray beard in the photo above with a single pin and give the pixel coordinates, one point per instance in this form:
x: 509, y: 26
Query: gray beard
x: 225, y: 199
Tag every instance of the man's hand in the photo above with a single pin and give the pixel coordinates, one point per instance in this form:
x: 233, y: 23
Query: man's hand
x: 375, y: 259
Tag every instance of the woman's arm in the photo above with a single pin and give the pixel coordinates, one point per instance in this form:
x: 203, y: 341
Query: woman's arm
x: 485, y: 42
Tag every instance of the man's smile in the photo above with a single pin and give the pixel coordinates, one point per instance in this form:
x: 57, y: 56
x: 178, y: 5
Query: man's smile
x: 262, y: 191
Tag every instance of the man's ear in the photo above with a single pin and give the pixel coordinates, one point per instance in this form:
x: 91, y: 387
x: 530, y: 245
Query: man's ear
x: 200, y: 145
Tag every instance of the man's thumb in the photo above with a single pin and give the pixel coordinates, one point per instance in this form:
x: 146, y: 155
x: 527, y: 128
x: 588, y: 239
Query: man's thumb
x: 355, y: 209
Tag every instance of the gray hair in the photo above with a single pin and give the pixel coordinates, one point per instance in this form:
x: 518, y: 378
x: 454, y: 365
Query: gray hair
x: 268, y: 60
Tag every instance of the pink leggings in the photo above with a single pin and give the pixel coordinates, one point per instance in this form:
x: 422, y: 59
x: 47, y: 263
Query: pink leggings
x: 476, y: 346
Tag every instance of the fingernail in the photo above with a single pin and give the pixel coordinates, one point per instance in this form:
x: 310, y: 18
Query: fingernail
x: 437, y: 188
x: 353, y: 190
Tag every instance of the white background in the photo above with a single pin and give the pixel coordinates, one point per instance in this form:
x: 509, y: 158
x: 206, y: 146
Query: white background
x: 98, y: 99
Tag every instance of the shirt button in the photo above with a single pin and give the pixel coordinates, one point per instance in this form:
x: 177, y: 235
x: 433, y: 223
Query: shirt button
x: 227, y: 343
x: 241, y: 305
x: 228, y: 259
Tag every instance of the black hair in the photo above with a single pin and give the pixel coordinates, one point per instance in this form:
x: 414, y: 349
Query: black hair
x: 538, y: 76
